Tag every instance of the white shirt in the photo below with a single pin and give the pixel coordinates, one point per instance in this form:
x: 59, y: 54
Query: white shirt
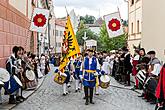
x: 106, y: 67
x: 156, y: 70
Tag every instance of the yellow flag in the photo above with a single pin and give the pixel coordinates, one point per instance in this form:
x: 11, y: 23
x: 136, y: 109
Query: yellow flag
x: 70, y: 45
x: 71, y: 38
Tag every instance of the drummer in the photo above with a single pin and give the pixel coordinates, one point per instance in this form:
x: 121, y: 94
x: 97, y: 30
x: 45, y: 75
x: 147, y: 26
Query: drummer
x: 89, y: 80
x: 12, y: 68
x: 77, y: 65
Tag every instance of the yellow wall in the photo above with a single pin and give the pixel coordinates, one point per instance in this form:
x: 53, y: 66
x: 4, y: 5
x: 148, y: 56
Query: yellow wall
x: 135, y: 14
x: 153, y: 33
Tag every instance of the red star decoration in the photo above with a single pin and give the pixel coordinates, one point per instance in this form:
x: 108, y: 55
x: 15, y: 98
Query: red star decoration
x: 39, y: 20
x: 114, y: 25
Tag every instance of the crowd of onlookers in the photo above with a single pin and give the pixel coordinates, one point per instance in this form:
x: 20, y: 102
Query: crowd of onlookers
x: 145, y: 69
x: 24, y: 68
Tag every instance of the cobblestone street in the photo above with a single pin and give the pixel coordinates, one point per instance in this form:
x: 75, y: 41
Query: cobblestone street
x: 49, y: 97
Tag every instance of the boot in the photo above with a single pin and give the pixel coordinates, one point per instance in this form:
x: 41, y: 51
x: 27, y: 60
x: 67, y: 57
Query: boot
x: 12, y: 99
x: 87, y: 101
x: 86, y: 95
x: 91, y: 96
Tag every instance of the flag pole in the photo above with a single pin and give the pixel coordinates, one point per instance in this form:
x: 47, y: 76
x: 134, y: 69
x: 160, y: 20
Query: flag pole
x: 66, y: 11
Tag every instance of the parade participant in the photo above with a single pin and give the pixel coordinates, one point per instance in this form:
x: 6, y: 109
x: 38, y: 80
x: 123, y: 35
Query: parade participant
x: 134, y: 69
x: 20, y: 74
x: 160, y: 90
x: 42, y: 62
x: 106, y: 67
x: 89, y: 81
x: 98, y: 75
x: 68, y: 71
x: 47, y: 67
x: 143, y: 59
x: 154, y: 68
x: 77, y: 65
x: 100, y: 58
x: 12, y: 69
x: 127, y: 66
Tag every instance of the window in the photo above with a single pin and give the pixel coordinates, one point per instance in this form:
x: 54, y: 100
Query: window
x: 132, y: 2
x: 58, y: 44
x: 61, y: 33
x: 56, y: 33
x: 138, y: 27
x: 132, y: 28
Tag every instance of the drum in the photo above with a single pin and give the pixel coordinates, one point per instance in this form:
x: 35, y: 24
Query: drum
x: 4, y: 75
x: 30, y: 75
x: 12, y: 85
x: 150, y: 85
x: 1, y: 83
x: 60, y: 78
x: 141, y: 76
x: 104, y: 81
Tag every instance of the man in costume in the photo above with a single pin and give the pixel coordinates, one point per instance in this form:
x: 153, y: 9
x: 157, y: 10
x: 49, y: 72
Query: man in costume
x: 91, y: 65
x: 77, y: 66
x: 127, y: 66
x: 154, y: 68
x: 11, y: 67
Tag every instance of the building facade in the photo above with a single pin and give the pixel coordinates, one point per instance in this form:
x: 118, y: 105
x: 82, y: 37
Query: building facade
x: 153, y: 27
x: 14, y: 27
x: 134, y: 23
x: 60, y: 27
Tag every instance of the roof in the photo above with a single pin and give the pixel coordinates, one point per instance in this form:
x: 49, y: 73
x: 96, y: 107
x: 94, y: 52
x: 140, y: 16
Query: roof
x: 98, y: 23
x: 60, y: 22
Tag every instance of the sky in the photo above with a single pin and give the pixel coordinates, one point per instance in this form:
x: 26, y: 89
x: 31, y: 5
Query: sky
x: 97, y: 8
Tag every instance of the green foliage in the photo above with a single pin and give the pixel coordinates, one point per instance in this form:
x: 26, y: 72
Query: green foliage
x: 88, y: 19
x: 109, y: 44
x: 81, y: 31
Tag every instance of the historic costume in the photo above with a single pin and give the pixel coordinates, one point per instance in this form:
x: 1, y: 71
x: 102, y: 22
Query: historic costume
x: 91, y: 65
x: 67, y: 73
x: 127, y: 66
x: 106, y: 67
x: 11, y: 86
x: 151, y: 81
x: 160, y: 90
x: 135, y: 70
x: 78, y: 67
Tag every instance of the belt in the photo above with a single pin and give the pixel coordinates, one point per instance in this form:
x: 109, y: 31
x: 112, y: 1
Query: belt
x: 90, y: 71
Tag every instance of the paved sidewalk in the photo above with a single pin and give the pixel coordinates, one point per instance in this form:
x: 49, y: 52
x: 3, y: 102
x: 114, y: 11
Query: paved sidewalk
x: 26, y: 94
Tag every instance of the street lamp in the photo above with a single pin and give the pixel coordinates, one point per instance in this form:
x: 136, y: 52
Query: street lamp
x: 85, y: 38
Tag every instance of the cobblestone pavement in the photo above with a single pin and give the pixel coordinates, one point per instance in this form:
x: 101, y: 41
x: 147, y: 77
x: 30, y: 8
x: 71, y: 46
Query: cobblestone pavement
x: 49, y: 97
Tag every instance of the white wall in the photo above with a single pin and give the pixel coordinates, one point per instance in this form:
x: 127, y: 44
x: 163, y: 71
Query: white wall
x: 96, y: 30
x: 153, y: 33
x: 59, y: 37
x: 20, y: 5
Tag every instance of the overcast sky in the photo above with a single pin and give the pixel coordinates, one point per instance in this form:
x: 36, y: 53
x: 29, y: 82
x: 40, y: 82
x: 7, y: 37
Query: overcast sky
x: 97, y: 8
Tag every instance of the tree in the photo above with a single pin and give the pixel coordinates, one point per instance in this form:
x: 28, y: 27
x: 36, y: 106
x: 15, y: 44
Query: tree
x: 88, y: 19
x: 81, y: 31
x: 109, y: 44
